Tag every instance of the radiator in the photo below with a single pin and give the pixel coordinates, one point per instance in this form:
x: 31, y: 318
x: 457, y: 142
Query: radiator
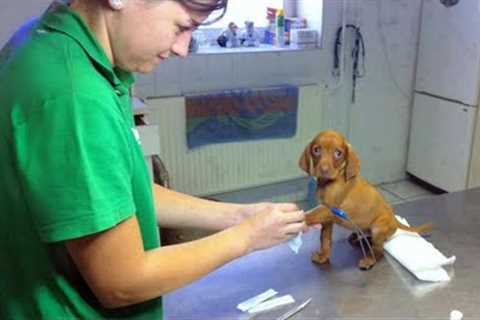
x: 229, y: 167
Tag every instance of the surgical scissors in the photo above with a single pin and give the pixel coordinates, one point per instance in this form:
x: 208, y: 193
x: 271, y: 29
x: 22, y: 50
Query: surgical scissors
x: 294, y: 311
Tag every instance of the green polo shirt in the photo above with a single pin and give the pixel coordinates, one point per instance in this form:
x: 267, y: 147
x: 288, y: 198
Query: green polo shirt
x: 70, y: 166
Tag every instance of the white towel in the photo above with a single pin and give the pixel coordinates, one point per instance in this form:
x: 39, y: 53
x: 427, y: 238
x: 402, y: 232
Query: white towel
x: 418, y: 255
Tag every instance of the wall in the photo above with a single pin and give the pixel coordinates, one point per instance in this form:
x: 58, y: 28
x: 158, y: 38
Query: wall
x: 201, y: 73
x: 218, y: 168
x: 14, y: 13
x: 377, y: 124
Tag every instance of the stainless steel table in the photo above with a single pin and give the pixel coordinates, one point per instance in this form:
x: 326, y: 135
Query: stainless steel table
x: 340, y: 290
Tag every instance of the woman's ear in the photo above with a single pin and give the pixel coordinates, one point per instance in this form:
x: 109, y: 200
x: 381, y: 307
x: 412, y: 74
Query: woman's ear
x: 353, y: 163
x: 306, y: 161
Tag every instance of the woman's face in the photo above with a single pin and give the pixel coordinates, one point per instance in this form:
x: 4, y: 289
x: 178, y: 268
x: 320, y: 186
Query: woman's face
x: 144, y: 33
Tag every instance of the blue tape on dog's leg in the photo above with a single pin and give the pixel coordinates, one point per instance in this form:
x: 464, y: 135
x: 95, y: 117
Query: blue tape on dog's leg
x: 339, y: 213
x: 311, y: 190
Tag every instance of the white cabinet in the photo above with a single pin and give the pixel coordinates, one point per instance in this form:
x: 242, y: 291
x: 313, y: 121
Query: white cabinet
x: 441, y: 141
x: 444, y: 145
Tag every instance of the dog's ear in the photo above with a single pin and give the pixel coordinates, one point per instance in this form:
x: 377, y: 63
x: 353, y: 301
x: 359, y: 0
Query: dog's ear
x: 306, y: 161
x: 353, y: 163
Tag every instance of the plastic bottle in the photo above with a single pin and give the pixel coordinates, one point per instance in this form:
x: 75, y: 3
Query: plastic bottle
x: 288, y: 27
x: 270, y: 30
x: 280, y: 28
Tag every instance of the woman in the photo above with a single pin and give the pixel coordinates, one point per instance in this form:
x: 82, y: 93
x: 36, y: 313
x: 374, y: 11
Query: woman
x: 79, y: 236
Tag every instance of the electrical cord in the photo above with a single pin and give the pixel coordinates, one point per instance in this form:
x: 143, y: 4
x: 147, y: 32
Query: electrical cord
x: 358, y: 55
x: 342, y: 214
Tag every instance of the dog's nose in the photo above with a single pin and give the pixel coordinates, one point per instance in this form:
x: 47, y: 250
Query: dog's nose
x: 323, y: 170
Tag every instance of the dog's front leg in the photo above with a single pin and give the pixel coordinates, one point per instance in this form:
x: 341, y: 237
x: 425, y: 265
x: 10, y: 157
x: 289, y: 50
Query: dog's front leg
x: 323, y: 216
x: 320, y: 215
x: 323, y: 255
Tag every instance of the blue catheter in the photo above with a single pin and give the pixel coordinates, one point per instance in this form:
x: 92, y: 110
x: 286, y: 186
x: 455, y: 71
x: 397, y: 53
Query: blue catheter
x: 342, y: 214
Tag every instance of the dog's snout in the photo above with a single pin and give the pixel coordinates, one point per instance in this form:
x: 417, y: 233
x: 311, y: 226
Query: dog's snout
x: 323, y: 169
x: 324, y: 164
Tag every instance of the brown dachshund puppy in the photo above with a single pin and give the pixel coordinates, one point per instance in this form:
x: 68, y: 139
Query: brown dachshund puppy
x: 331, y: 159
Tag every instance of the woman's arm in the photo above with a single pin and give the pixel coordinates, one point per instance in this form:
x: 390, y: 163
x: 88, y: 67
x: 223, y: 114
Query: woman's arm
x: 177, y: 210
x: 121, y: 273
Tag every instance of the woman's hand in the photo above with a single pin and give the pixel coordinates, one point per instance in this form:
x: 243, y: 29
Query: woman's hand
x: 247, y: 210
x: 270, y: 224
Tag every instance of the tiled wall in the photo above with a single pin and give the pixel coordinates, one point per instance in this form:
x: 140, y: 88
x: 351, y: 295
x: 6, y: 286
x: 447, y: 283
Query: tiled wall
x: 218, y: 168
x: 377, y: 124
x: 202, y: 73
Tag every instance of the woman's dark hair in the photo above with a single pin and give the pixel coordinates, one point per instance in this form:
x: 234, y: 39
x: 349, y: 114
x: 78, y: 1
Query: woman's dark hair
x: 207, y: 6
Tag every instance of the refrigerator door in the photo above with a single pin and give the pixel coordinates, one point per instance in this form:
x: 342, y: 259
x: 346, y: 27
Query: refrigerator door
x: 440, y: 142
x: 449, y: 51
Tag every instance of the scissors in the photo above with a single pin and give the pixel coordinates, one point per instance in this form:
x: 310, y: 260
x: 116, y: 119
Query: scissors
x: 294, y: 311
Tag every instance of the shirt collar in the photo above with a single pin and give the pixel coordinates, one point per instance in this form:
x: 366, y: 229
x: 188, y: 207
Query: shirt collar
x: 62, y: 18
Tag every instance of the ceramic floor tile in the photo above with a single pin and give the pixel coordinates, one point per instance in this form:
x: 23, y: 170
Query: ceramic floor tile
x: 422, y: 196
x: 389, y: 196
x: 405, y: 189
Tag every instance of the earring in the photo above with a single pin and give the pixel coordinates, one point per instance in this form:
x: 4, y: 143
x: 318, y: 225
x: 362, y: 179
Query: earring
x: 116, y: 4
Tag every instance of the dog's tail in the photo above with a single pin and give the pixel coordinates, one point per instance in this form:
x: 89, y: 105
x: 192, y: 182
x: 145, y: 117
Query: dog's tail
x: 423, y: 228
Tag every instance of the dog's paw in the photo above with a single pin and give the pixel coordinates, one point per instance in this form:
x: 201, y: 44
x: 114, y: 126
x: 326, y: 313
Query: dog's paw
x: 366, y: 263
x: 312, y: 219
x: 320, y: 258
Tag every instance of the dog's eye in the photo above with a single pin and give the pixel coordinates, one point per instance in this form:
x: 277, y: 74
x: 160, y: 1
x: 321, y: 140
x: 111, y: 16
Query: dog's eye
x: 338, y: 154
x: 316, y: 151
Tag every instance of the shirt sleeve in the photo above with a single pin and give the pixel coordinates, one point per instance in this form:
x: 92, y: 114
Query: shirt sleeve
x: 74, y: 161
